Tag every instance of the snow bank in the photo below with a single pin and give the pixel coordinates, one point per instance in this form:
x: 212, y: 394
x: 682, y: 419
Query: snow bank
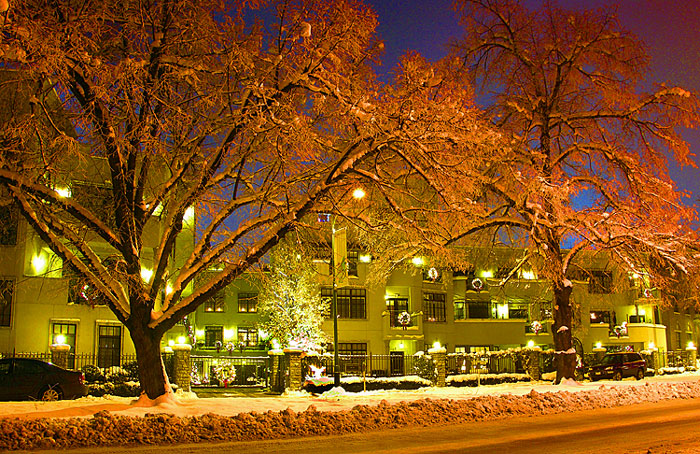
x: 106, y: 428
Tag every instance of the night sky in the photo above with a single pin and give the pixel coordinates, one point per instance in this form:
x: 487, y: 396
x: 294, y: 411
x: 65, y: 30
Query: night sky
x: 670, y: 29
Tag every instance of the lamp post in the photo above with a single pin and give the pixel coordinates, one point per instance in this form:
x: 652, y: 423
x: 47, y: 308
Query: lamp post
x: 338, y: 257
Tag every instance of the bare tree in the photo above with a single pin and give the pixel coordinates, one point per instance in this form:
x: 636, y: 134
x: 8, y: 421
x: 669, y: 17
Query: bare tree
x: 174, y: 106
x: 588, y: 146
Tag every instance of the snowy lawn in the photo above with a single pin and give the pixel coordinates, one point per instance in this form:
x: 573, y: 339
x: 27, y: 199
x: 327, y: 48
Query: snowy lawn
x: 186, y: 418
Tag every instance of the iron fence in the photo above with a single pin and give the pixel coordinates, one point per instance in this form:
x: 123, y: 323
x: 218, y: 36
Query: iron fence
x: 483, y: 364
x: 225, y: 371
x: 371, y: 365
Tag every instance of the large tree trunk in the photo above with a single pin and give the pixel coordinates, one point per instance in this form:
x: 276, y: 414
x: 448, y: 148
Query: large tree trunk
x: 565, y: 359
x: 154, y: 380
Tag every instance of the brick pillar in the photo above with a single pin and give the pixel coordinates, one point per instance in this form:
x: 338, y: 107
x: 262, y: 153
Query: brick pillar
x: 599, y: 353
x: 277, y: 373
x: 59, y: 354
x: 181, y: 366
x: 692, y: 357
x: 438, y: 354
x: 532, y: 362
x: 293, y: 355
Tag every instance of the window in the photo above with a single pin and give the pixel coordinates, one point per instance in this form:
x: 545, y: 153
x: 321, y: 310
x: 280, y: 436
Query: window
x: 434, y: 306
x: 247, y: 337
x: 395, y: 306
x: 215, y: 303
x: 518, y: 310
x: 602, y: 317
x: 478, y: 309
x: 109, y: 345
x: 352, y: 263
x: 81, y: 292
x: 7, y: 290
x: 352, y: 302
x: 212, y: 335
x: 352, y: 348
x: 97, y: 199
x: 460, y: 310
x: 600, y: 282
x: 67, y: 330
x: 247, y: 302
x: 9, y: 221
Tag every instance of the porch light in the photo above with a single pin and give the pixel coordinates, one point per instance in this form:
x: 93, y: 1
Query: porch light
x: 486, y: 274
x: 358, y: 193
x: 652, y: 346
x: 181, y: 340
x: 417, y: 261
x: 60, y: 339
x: 171, y: 343
x: 531, y: 343
x: 40, y: 263
x: 598, y: 345
x: 436, y: 345
x: 365, y: 258
x: 146, y: 274
x: 691, y: 345
x: 401, y: 345
x: 63, y: 192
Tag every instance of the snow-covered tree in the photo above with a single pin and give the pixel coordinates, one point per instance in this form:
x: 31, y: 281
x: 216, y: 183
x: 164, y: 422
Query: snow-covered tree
x: 169, y: 108
x: 586, y: 143
x: 290, y: 302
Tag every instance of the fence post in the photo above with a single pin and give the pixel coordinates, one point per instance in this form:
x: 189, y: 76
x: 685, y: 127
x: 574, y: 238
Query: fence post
x: 277, y: 379
x: 438, y: 354
x: 294, y: 360
x: 181, y: 366
x: 692, y: 356
x: 532, y: 362
x: 59, y: 354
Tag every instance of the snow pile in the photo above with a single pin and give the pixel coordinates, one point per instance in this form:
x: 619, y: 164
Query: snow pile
x: 106, y: 428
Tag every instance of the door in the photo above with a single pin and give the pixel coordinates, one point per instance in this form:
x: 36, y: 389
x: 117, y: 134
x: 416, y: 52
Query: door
x: 109, y: 345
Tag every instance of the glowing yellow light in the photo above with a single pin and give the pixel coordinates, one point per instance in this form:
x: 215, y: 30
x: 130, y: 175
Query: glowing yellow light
x: 652, y: 345
x: 400, y: 344
x: 60, y: 339
x: 171, y: 342
x: 531, y: 343
x: 487, y: 274
x: 181, y: 340
x: 417, y: 261
x: 358, y: 193
x: 228, y: 334
x: 168, y: 289
x: 63, y: 192
x: 528, y: 274
x: 437, y: 345
x: 642, y: 312
x: 502, y: 311
x: 158, y: 210
x: 598, y: 345
x: 691, y: 345
x: 146, y: 274
x: 275, y: 344
x: 188, y: 219
x: 40, y: 263
x: 199, y: 333
x: 365, y: 258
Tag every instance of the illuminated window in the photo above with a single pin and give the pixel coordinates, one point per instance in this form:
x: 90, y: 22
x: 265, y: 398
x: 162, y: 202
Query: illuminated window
x: 215, y: 303
x: 248, y: 337
x: 248, y: 302
x: 352, y: 302
x: 212, y: 334
x: 434, y: 306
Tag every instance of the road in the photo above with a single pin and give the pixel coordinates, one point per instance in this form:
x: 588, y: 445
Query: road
x: 671, y: 427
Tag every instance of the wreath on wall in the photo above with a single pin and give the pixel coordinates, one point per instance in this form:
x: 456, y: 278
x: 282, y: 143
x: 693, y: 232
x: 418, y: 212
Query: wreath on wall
x: 404, y: 319
x: 433, y: 274
x: 477, y: 284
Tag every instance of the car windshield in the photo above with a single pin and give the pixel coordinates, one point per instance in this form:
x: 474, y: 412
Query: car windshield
x: 611, y: 359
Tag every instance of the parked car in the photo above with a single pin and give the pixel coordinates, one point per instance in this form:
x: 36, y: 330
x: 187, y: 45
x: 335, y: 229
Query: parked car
x: 23, y: 378
x: 618, y: 366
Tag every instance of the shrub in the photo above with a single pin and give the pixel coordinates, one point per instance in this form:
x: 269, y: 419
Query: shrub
x: 92, y: 374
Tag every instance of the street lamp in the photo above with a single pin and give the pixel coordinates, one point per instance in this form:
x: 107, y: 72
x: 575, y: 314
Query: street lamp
x: 338, y: 257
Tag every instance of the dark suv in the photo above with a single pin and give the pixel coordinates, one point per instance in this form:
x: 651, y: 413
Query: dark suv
x: 618, y: 366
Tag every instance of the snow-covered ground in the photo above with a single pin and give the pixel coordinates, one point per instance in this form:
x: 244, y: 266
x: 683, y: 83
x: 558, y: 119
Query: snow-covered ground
x: 186, y: 418
x: 334, y: 400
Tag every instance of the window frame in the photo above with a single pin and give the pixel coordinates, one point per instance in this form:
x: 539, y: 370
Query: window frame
x: 434, y: 308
